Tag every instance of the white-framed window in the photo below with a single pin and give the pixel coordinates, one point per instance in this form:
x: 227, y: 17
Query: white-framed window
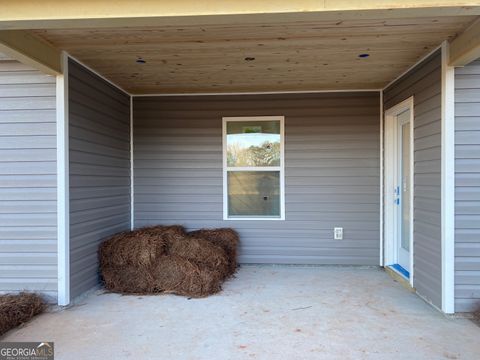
x: 253, y: 168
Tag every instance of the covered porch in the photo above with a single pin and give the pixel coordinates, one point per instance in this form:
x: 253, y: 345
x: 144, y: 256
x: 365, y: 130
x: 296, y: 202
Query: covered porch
x: 141, y: 103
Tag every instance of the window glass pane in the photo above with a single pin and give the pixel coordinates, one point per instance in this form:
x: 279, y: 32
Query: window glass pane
x: 254, y: 193
x: 253, y: 143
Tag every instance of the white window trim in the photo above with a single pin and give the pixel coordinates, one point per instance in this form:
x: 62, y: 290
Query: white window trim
x: 390, y: 255
x: 280, y: 168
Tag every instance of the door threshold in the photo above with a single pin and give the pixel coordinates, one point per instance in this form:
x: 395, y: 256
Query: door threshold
x: 400, y: 275
x: 401, y: 270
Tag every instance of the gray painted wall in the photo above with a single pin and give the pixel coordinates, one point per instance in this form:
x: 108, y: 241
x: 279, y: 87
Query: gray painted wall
x: 467, y: 193
x: 424, y: 83
x: 28, y: 218
x: 99, y: 170
x: 332, y: 172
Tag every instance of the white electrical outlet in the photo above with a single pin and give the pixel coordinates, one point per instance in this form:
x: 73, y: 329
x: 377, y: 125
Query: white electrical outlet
x: 338, y: 233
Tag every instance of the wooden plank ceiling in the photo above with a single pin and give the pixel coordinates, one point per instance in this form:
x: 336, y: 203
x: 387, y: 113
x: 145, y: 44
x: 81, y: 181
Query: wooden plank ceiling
x: 297, y: 56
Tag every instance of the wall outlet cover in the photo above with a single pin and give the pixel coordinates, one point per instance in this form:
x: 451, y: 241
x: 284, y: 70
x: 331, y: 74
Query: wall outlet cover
x: 338, y: 233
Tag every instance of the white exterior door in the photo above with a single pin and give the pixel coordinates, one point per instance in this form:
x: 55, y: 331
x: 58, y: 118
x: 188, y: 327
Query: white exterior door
x: 398, y: 195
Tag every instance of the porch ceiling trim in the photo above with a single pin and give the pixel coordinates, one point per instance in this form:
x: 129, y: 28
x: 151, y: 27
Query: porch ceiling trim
x: 419, y: 61
x: 259, y: 93
x: 33, y: 14
x: 98, y: 74
x: 466, y: 47
x: 30, y: 50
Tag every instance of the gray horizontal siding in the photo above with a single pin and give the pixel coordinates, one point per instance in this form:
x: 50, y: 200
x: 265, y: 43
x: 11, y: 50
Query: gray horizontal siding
x: 424, y: 84
x: 467, y: 193
x: 99, y: 138
x: 28, y: 204
x: 331, y: 173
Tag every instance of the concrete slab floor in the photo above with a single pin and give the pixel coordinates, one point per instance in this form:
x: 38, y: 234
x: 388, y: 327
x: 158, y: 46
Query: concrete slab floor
x: 266, y: 312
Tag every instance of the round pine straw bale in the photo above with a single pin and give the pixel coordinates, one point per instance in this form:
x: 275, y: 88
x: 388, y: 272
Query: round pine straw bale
x: 180, y: 276
x: 170, y: 233
x: 16, y: 309
x: 141, y: 247
x: 128, y: 279
x: 201, y: 252
x: 167, y: 259
x: 129, y: 249
x: 226, y: 238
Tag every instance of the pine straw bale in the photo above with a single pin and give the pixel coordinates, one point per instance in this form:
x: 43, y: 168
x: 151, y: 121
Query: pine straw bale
x: 130, y: 249
x: 476, y: 314
x: 128, y: 279
x: 226, y: 238
x: 166, y: 259
x: 16, y: 309
x: 140, y: 247
x: 169, y: 233
x: 201, y: 252
x: 176, y: 275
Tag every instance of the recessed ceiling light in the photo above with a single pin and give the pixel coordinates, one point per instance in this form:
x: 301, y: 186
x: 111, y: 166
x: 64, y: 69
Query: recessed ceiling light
x: 140, y: 61
x: 363, y: 55
x: 249, y: 58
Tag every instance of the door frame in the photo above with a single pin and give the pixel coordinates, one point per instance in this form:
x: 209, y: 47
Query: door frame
x: 390, y: 173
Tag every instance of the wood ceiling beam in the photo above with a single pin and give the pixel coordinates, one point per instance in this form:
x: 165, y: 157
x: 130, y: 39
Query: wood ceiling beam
x: 30, y: 50
x: 45, y: 14
x: 466, y: 47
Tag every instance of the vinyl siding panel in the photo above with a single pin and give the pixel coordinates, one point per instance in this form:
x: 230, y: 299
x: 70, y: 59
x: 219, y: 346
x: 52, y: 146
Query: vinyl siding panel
x: 467, y: 190
x: 331, y: 173
x: 99, y: 170
x: 424, y: 84
x: 28, y: 180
